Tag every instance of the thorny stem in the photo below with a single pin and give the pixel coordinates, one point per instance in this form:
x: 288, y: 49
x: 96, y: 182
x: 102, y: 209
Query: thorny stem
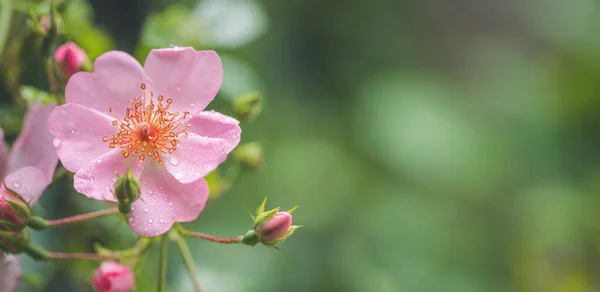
x: 188, y: 233
x: 187, y: 258
x: 83, y: 217
x: 162, y: 265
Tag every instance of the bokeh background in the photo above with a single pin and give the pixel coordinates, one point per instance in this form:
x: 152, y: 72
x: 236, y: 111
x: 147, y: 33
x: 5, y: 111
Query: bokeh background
x: 431, y: 145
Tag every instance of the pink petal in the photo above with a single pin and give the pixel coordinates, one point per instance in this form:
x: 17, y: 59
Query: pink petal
x: 216, y: 125
x: 79, y: 131
x: 164, y: 201
x: 3, y: 154
x: 195, y: 157
x: 116, y: 79
x: 192, y: 78
x: 34, y: 147
x: 10, y: 272
x: 96, y: 179
x: 29, y: 182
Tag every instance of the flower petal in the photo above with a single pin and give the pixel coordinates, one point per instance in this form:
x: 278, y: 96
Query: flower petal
x: 216, y: 125
x: 116, y: 79
x: 10, y: 272
x: 79, y: 131
x: 195, y: 157
x: 164, y: 201
x: 29, y: 182
x: 96, y: 179
x: 34, y: 147
x: 3, y: 154
x: 192, y: 78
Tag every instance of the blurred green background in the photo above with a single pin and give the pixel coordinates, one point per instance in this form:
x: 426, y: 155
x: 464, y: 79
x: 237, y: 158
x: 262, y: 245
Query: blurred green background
x: 431, y: 145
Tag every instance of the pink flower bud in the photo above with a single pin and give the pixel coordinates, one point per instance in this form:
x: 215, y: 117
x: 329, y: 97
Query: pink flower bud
x: 276, y: 227
x: 8, y: 214
x: 70, y: 57
x: 113, y: 277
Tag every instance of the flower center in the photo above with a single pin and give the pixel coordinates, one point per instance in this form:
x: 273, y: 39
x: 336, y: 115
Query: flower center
x: 148, y: 128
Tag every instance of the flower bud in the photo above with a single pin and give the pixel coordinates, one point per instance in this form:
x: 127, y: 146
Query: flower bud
x: 71, y: 58
x: 270, y: 227
x: 127, y: 191
x: 276, y: 227
x: 247, y: 107
x: 14, y: 242
x: 113, y: 277
x: 14, y: 212
x: 249, y: 156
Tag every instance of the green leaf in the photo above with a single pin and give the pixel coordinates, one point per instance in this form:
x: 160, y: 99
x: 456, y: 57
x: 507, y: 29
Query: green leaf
x: 261, y: 208
x: 32, y: 95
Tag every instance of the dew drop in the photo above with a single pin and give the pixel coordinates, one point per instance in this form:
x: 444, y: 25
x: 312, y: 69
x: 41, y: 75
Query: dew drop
x: 192, y: 104
x: 146, y: 210
x: 170, y: 203
x: 178, y: 88
x: 150, y: 192
x: 174, y: 161
x: 150, y: 221
x: 56, y: 142
x: 178, y: 175
x: 16, y: 185
x: 162, y: 221
x: 98, y: 161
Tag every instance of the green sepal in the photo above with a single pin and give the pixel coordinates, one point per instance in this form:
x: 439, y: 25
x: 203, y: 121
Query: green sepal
x: 21, y: 208
x: 250, y: 238
x: 38, y: 223
x: 277, y: 241
x: 8, y: 226
x: 264, y: 217
x: 293, y: 209
x: 127, y: 190
x: 14, y: 242
x: 261, y: 208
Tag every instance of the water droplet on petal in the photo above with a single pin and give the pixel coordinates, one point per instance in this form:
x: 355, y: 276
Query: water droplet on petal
x: 16, y: 185
x: 149, y: 192
x: 150, y: 221
x: 174, y: 161
x: 178, y: 88
x: 179, y: 175
x: 56, y: 142
x: 146, y: 210
x: 162, y: 221
x: 170, y: 203
x: 192, y: 104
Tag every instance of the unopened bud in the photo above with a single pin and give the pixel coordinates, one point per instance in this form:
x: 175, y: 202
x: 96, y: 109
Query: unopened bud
x: 247, y: 107
x: 127, y: 191
x: 249, y: 156
x: 113, y: 277
x: 271, y: 227
x: 14, y: 211
x: 71, y: 58
x: 14, y: 242
x: 276, y: 227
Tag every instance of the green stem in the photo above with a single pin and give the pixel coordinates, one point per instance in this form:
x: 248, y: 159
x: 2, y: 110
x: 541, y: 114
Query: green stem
x: 187, y: 258
x: 5, y: 19
x: 162, y: 265
x: 188, y: 233
x: 52, y: 79
x: 83, y: 217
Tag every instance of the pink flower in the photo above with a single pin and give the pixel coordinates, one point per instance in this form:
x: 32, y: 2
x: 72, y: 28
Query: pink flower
x: 10, y: 272
x: 149, y: 119
x: 276, y: 227
x: 113, y: 277
x: 70, y: 57
x: 30, y: 166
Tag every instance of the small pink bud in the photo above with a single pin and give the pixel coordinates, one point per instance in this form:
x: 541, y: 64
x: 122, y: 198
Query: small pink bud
x: 113, y: 277
x: 276, y: 227
x: 8, y: 214
x: 70, y: 57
